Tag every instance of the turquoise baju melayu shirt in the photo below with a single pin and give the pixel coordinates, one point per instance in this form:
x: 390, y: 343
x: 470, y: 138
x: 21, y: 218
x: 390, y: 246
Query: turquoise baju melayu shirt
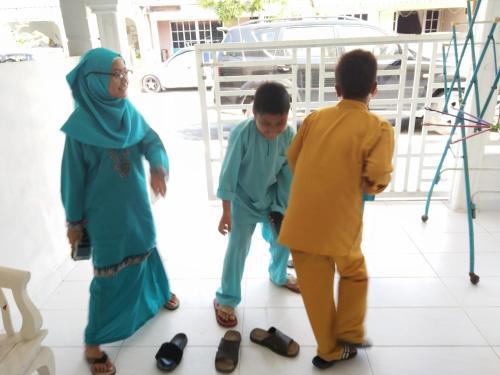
x: 255, y: 176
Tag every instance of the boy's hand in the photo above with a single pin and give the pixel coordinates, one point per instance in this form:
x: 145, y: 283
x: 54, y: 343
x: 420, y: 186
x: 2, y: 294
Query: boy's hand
x: 225, y: 223
x: 158, y: 183
x: 276, y: 218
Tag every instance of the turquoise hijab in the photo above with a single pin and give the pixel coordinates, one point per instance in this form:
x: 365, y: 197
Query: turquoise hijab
x: 99, y: 119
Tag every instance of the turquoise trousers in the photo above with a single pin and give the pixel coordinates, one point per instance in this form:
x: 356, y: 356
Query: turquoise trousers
x: 240, y: 238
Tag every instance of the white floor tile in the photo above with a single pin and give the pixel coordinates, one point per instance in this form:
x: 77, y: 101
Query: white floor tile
x: 421, y: 326
x: 433, y: 361
x: 485, y: 293
x: 457, y: 264
x: 66, y: 327
x: 408, y: 292
x: 497, y: 350
x: 261, y: 361
x: 198, y: 293
x: 70, y: 295
x: 490, y: 220
x: 83, y: 271
x: 418, y: 287
x: 263, y: 293
x: 377, y: 242
x: 198, y: 324
x: 398, y: 265
x: 487, y: 320
x: 141, y: 361
x: 432, y: 242
x: 291, y: 321
x: 444, y: 223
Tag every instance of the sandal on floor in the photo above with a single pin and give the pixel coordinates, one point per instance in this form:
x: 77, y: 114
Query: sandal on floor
x: 226, y: 359
x: 173, y: 303
x: 170, y: 353
x: 227, y: 323
x: 275, y: 340
x: 292, y: 284
x: 103, y: 359
x: 348, y: 353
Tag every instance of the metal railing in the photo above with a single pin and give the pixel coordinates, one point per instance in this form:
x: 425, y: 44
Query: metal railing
x: 410, y: 77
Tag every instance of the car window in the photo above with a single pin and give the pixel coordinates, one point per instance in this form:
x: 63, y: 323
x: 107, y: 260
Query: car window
x: 184, y: 59
x: 310, y: 32
x: 357, y: 31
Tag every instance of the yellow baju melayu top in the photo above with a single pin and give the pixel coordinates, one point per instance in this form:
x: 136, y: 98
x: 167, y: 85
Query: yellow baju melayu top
x: 336, y: 149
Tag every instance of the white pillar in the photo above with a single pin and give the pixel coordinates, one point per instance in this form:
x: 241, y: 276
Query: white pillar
x: 488, y: 11
x: 155, y: 37
x: 76, y: 27
x: 144, y: 36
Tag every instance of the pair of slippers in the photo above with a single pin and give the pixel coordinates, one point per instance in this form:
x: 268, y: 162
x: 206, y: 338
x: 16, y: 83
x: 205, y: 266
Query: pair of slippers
x: 170, y: 353
x: 226, y: 359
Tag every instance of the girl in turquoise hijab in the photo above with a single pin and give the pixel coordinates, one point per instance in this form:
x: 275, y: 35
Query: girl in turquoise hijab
x: 104, y: 190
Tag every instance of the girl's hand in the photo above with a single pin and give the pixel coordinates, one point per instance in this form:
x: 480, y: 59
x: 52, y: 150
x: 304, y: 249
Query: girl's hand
x: 225, y: 223
x: 158, y: 183
x: 74, y: 234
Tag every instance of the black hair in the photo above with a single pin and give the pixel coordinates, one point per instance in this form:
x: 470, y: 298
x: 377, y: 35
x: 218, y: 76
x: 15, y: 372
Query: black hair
x: 271, y: 98
x: 356, y: 73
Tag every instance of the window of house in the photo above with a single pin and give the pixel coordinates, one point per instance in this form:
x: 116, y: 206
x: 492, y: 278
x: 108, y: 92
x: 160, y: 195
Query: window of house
x: 361, y: 16
x: 431, y: 21
x: 188, y: 33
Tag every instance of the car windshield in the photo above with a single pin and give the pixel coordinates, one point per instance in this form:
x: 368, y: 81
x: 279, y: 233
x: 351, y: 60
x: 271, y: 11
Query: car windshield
x: 359, y: 31
x: 310, y: 32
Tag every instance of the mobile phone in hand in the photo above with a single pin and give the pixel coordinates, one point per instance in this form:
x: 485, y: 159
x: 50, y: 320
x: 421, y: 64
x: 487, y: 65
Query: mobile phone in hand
x: 277, y: 218
x: 82, y: 249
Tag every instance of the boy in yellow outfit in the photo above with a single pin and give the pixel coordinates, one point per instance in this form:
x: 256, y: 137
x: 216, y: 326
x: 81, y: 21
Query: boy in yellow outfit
x: 339, y: 153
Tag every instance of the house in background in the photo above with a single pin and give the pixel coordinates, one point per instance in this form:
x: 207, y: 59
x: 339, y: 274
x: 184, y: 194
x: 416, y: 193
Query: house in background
x: 153, y: 30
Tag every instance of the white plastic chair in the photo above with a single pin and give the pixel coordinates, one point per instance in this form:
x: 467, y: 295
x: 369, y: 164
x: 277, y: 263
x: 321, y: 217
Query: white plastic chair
x: 22, y: 353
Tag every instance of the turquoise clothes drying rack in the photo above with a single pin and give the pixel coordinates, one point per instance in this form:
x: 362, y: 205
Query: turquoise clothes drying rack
x: 460, y: 118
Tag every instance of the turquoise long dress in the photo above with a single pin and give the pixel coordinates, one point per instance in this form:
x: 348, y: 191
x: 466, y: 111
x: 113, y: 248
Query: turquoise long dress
x: 103, y: 183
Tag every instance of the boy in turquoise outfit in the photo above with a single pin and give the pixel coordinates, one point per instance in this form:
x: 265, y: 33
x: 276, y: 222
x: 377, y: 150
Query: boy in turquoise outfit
x: 254, y: 185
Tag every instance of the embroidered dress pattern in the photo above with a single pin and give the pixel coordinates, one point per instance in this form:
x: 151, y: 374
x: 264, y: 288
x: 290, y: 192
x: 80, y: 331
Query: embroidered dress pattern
x: 115, y: 268
x: 121, y: 164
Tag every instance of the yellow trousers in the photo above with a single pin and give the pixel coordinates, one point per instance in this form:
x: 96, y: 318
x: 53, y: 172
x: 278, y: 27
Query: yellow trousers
x: 332, y: 325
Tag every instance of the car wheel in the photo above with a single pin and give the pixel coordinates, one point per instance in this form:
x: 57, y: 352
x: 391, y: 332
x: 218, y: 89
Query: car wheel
x: 151, y: 83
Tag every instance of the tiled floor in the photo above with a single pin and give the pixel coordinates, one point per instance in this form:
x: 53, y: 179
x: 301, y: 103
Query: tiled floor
x: 424, y: 315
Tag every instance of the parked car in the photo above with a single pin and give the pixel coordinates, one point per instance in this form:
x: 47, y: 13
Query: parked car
x: 15, y: 57
x: 179, y: 71
x: 312, y: 29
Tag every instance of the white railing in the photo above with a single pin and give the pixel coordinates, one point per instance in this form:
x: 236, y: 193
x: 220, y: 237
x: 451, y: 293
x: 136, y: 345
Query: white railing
x: 408, y: 80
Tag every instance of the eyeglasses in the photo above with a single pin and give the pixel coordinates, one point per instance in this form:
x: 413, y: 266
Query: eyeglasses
x: 116, y: 75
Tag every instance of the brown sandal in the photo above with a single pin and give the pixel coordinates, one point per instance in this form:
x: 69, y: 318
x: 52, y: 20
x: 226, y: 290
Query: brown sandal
x: 103, y: 359
x: 226, y: 359
x: 173, y: 303
x: 275, y: 340
x: 292, y: 284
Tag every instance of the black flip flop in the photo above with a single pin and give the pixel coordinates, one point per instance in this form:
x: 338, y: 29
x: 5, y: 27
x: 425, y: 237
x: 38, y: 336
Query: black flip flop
x: 170, y: 353
x: 226, y: 359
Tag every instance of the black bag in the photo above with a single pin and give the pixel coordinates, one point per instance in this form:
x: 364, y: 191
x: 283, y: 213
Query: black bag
x: 82, y: 249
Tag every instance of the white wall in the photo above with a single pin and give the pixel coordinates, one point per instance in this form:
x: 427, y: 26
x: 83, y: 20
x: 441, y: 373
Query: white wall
x: 35, y: 102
